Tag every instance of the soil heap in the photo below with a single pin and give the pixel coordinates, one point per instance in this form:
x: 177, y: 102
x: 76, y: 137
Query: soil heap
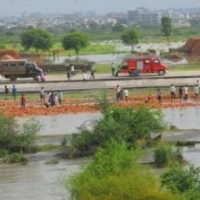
x: 192, y: 46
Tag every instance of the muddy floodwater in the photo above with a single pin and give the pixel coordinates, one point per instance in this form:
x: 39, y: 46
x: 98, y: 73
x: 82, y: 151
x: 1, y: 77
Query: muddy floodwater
x: 41, y: 181
x: 36, y: 181
x: 182, y: 118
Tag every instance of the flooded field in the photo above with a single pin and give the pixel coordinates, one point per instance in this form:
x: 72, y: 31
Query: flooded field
x: 36, y: 181
x: 41, y: 181
x: 182, y: 118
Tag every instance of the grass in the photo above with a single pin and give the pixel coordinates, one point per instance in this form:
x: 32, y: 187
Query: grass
x: 49, y: 147
x: 185, y: 67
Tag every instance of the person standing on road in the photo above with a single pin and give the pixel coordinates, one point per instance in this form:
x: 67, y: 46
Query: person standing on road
x: 126, y: 94
x: 42, y: 95
x: 60, y: 97
x: 196, y: 92
x: 185, y: 92
x: 180, y: 92
x: 173, y: 92
x: 23, y: 101
x: 159, y: 95
x: 84, y: 76
x: 92, y: 70
x: 113, y: 69
x: 14, y: 92
x: 72, y: 70
x: 6, y: 91
x: 68, y: 75
x: 118, y: 92
x: 198, y: 83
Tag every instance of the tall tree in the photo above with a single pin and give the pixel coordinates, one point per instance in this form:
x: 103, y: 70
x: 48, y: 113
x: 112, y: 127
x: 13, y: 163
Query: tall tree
x: 75, y: 40
x: 131, y: 37
x: 38, y: 39
x: 166, y: 27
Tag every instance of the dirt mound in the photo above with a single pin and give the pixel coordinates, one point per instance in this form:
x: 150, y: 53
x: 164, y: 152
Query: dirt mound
x: 192, y: 46
x: 9, y: 52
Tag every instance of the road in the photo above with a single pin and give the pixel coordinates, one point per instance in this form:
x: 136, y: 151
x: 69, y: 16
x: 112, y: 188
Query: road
x: 60, y: 82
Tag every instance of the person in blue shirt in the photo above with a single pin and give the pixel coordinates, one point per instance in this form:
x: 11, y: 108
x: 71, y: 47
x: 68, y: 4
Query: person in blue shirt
x: 14, y: 92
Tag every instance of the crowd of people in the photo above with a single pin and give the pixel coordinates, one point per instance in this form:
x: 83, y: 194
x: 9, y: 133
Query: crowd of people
x: 48, y: 99
x: 180, y: 92
x: 51, y: 99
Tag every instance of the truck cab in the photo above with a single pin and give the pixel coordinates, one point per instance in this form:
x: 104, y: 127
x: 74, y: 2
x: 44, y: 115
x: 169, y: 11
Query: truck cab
x: 141, y: 65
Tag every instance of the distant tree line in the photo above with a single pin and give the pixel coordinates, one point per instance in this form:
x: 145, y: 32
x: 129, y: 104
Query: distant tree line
x: 43, y: 39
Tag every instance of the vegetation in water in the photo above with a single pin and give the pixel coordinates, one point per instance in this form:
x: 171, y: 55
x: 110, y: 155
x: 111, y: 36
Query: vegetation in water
x: 16, y: 140
x: 115, y: 174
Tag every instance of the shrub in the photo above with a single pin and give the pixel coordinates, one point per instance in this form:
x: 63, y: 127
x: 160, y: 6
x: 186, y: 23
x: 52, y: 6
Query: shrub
x: 114, y: 174
x: 167, y: 154
x: 182, y: 179
x: 15, y: 158
x: 126, y: 125
x: 103, y: 102
x: 14, y: 138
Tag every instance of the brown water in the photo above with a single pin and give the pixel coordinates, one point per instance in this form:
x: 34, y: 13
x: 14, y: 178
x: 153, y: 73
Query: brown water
x: 36, y: 181
x: 41, y: 181
x: 182, y: 118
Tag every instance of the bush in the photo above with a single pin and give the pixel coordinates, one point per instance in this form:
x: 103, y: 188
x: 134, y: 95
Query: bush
x: 14, y: 138
x: 126, y: 125
x: 167, y: 154
x: 15, y: 158
x: 114, y: 174
x: 182, y: 179
x: 103, y: 102
x: 161, y: 156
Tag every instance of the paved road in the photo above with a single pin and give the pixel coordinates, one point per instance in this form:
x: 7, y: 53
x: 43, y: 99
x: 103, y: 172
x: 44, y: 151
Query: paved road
x: 74, y: 84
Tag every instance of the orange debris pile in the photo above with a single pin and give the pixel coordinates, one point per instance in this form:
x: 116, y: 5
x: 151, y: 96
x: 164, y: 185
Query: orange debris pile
x: 192, y: 46
x: 9, y: 54
x: 12, y: 108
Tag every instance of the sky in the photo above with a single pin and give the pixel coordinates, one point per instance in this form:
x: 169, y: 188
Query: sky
x: 99, y: 6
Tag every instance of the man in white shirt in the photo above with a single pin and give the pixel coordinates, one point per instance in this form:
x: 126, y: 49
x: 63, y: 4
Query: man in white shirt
x: 126, y: 93
x: 196, y: 91
x: 173, y: 91
x: 185, y: 92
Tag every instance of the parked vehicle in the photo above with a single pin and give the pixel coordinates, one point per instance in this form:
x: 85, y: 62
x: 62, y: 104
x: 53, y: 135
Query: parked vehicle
x: 20, y: 68
x: 134, y: 66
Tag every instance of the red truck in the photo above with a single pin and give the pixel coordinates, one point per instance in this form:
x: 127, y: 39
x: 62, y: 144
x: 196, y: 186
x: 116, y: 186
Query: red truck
x: 134, y: 66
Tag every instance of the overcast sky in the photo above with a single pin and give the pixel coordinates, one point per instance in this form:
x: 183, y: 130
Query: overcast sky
x: 100, y: 6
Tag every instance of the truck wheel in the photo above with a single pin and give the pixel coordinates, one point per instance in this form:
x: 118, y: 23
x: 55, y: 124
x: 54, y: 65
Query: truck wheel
x: 161, y: 72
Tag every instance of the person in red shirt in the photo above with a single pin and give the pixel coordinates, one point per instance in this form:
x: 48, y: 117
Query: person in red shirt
x: 23, y: 101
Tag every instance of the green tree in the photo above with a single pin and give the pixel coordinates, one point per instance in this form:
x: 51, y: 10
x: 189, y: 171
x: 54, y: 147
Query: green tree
x: 38, y: 39
x: 166, y: 27
x: 130, y: 37
x: 75, y: 40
